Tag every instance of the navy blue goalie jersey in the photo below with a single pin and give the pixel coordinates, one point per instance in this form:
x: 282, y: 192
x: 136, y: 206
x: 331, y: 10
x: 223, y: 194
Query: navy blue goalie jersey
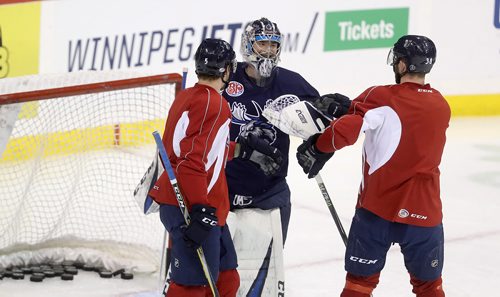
x: 247, y: 101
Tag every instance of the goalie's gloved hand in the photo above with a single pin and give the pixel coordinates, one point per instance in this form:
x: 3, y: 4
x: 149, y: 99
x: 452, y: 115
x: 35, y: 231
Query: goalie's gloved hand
x: 333, y: 105
x: 259, y: 151
x: 310, y: 158
x: 203, y: 219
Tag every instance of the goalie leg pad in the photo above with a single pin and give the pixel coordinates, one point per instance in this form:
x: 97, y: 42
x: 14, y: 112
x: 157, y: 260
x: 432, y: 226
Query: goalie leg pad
x: 258, y: 241
x: 145, y: 202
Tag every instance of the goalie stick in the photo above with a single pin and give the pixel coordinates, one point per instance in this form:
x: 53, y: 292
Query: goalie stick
x: 183, y: 207
x: 300, y: 119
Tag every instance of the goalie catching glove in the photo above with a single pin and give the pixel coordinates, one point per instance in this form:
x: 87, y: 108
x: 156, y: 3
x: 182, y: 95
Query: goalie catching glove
x: 310, y: 158
x: 203, y: 219
x: 333, y: 105
x: 259, y: 151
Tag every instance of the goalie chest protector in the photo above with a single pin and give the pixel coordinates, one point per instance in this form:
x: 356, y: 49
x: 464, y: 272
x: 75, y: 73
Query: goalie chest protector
x: 247, y: 100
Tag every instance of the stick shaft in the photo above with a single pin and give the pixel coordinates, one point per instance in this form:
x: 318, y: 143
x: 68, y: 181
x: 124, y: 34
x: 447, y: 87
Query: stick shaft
x: 333, y: 212
x: 182, y: 205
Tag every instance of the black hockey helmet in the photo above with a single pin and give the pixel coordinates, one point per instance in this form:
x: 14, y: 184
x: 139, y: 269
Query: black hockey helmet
x: 418, y: 53
x: 213, y: 56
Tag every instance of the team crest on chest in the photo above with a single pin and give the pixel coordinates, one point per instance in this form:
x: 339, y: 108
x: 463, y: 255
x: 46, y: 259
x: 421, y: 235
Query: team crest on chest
x: 235, y: 89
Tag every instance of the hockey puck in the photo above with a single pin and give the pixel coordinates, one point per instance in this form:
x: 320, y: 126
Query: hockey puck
x: 49, y: 273
x: 105, y: 274
x: 37, y: 277
x: 70, y: 270
x: 88, y: 267
x: 67, y: 276
x: 17, y: 275
x: 67, y: 263
x: 26, y: 270
x: 7, y: 273
x: 99, y: 269
x: 127, y: 275
x: 58, y: 272
x: 79, y: 264
x: 119, y: 271
x: 35, y: 269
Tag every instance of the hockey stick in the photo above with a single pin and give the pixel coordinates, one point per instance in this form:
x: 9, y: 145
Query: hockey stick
x: 182, y: 205
x: 301, y: 119
x: 329, y: 203
x: 167, y: 242
x: 168, y: 258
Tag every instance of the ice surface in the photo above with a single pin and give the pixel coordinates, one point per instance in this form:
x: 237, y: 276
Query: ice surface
x: 314, y: 250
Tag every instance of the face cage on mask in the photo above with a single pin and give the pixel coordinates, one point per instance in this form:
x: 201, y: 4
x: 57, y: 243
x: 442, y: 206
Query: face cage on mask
x: 264, y: 65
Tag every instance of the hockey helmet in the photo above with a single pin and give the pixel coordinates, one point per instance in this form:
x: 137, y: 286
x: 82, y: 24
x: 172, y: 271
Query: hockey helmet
x: 418, y: 53
x: 261, y: 30
x: 213, y: 56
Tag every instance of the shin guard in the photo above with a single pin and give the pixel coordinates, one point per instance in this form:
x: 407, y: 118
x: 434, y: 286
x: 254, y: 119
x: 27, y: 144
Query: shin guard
x: 422, y: 288
x: 176, y: 290
x: 360, y: 286
x: 227, y: 283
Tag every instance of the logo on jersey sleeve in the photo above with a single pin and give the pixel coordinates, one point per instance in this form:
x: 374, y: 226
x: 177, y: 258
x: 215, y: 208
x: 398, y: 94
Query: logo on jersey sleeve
x: 235, y: 89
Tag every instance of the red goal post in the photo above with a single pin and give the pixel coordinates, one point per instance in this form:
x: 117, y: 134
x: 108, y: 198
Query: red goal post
x: 77, y: 148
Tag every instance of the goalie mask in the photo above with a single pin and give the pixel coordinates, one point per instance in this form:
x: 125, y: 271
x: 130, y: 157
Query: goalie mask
x: 261, y: 46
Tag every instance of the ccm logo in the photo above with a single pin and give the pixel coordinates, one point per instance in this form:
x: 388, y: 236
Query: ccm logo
x: 209, y: 222
x: 301, y: 116
x: 362, y: 261
x: 403, y: 213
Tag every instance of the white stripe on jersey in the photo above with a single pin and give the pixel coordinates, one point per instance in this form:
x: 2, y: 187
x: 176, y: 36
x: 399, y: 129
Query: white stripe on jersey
x: 382, y: 128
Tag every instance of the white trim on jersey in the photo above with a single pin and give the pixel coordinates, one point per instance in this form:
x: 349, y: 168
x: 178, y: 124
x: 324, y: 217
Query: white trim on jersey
x: 217, y: 153
x: 180, y: 133
x: 382, y: 128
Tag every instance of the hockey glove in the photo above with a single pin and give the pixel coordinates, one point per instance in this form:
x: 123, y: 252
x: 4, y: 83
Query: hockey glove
x: 310, y: 158
x: 203, y: 219
x: 333, y: 105
x: 259, y: 151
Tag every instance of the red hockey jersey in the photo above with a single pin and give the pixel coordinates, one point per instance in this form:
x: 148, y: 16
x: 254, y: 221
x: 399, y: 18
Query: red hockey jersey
x: 404, y: 128
x: 196, y: 138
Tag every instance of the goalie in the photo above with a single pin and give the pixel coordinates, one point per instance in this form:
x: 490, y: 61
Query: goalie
x: 260, y: 202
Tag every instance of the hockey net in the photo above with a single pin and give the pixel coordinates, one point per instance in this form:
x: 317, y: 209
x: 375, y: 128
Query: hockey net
x: 79, y: 147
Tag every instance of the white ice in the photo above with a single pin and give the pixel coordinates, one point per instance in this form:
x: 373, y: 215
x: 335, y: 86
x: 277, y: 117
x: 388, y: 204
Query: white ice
x: 314, y: 250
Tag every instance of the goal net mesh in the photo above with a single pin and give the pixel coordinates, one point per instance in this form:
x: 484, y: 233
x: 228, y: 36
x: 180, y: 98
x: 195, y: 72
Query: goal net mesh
x: 70, y: 166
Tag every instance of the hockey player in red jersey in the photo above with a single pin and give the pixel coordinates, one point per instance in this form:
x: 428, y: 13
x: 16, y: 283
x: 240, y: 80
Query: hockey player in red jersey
x: 196, y: 138
x: 399, y: 197
x: 197, y: 144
